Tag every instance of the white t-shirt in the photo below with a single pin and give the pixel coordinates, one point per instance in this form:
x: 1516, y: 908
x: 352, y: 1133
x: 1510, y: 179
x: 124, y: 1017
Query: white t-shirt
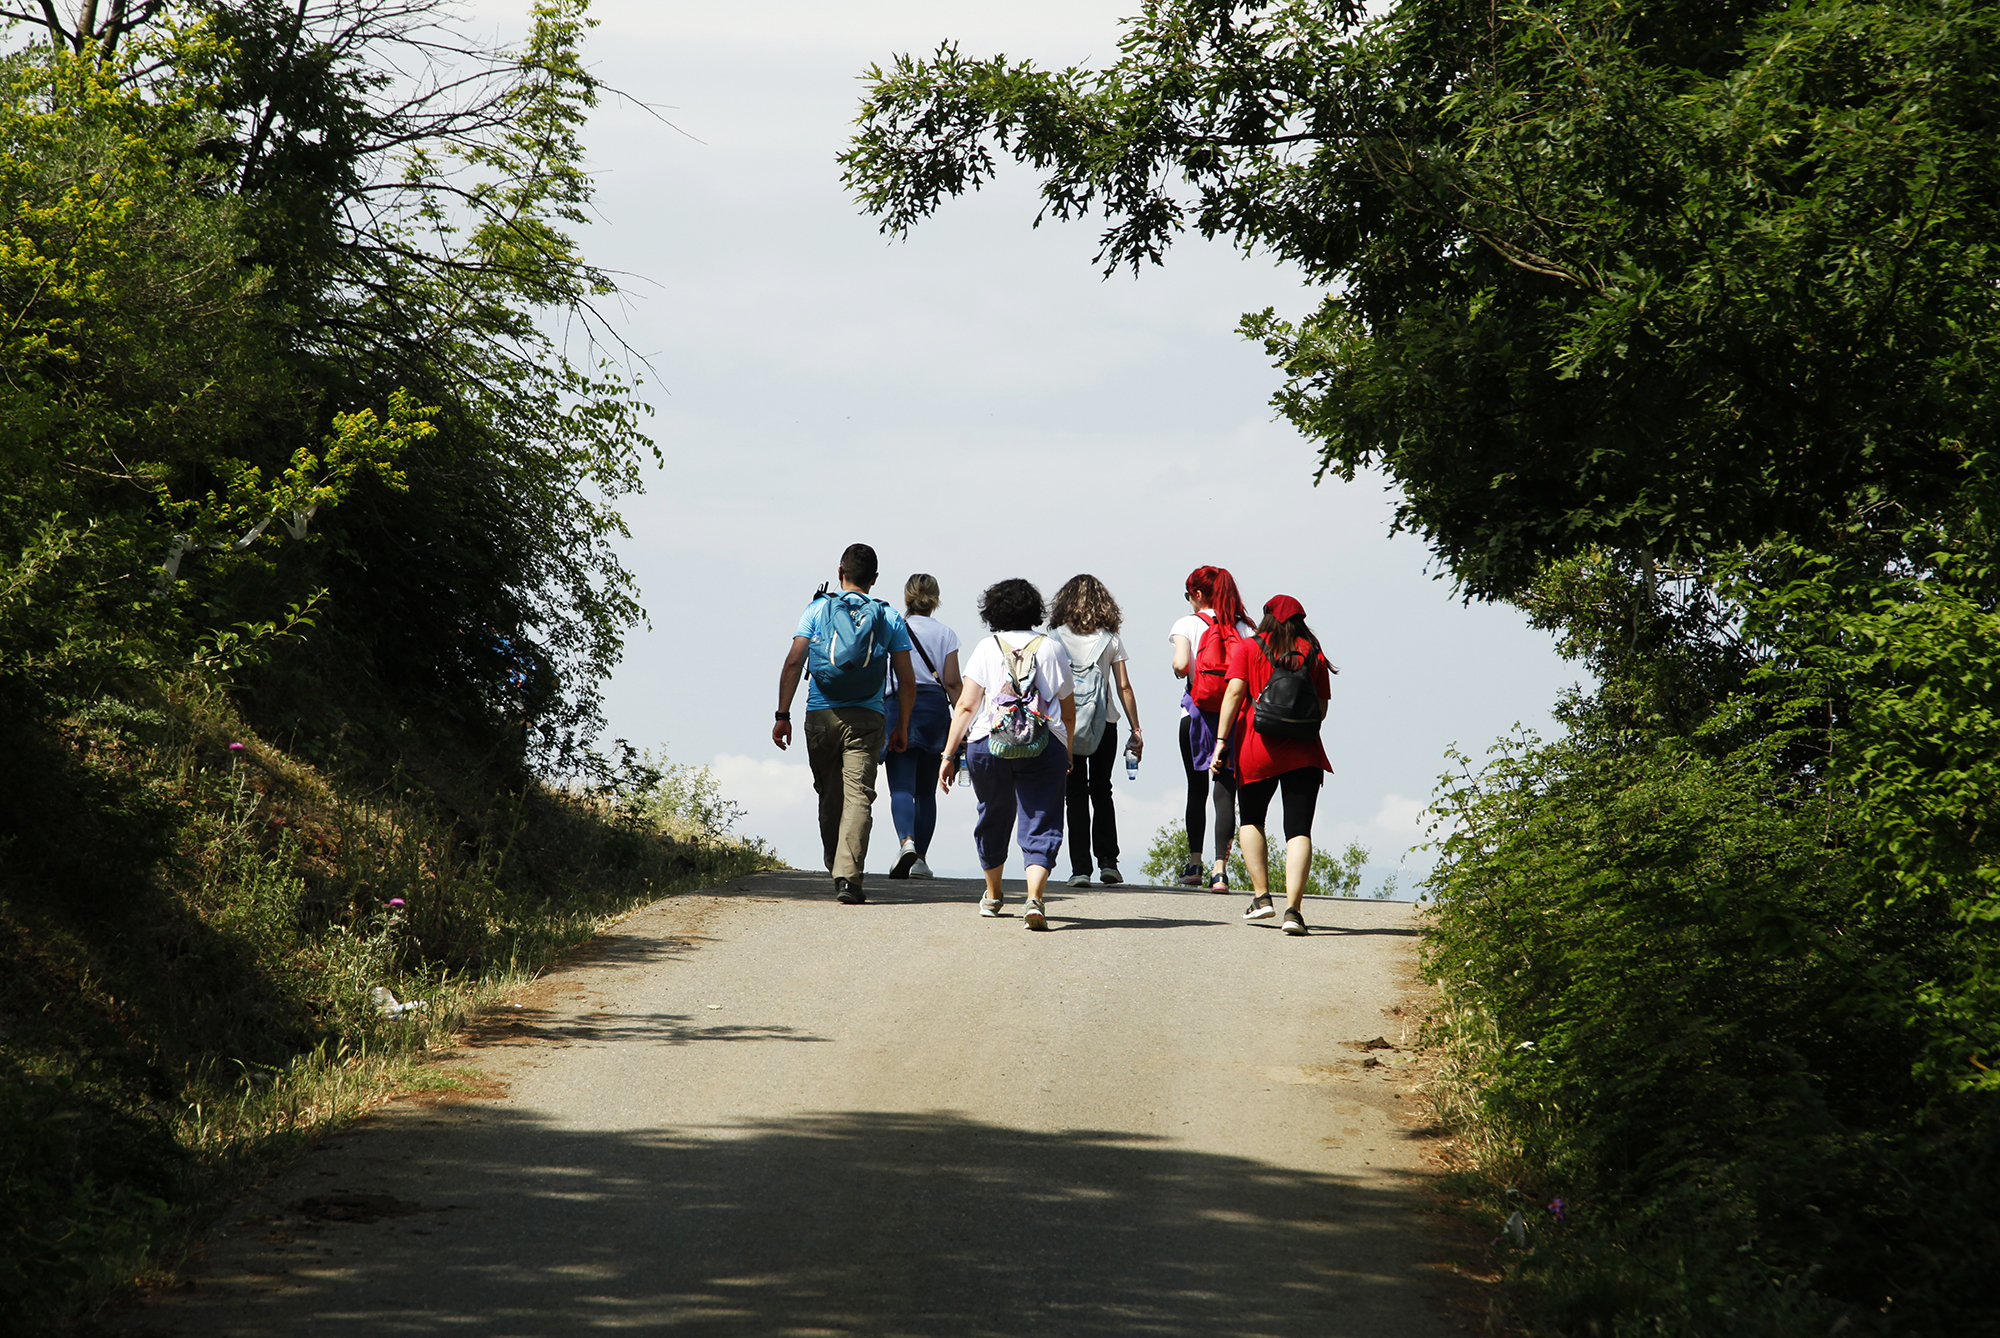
x: 1105, y: 649
x: 937, y: 640
x: 1194, y: 628
x: 988, y: 668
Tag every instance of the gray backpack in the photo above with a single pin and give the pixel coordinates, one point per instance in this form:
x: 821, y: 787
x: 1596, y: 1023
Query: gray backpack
x: 1091, y: 702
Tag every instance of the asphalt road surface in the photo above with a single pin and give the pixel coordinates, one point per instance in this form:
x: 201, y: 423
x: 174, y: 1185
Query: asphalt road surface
x: 757, y: 1112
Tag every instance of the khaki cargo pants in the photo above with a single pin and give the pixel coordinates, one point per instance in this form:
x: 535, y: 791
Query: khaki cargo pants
x: 842, y: 745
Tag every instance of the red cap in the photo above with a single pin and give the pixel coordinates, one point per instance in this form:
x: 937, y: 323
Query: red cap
x: 1284, y: 608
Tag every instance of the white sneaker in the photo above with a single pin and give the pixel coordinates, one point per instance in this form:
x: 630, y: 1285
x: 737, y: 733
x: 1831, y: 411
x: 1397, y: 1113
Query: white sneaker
x: 920, y: 869
x: 1033, y: 916
x: 904, y: 859
x: 989, y: 908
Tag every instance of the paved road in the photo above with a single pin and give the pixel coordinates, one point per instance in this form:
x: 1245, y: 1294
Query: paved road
x: 756, y: 1112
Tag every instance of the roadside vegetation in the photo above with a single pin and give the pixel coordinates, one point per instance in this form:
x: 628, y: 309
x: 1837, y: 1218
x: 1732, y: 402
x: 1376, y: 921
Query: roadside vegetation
x: 1674, y: 325
x: 306, y: 591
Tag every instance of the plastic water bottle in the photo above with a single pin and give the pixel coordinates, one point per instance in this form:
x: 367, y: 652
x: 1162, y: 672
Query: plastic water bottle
x: 1131, y: 765
x: 963, y: 776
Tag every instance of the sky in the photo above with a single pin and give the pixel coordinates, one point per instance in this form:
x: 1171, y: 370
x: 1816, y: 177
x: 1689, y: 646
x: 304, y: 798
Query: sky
x: 977, y: 402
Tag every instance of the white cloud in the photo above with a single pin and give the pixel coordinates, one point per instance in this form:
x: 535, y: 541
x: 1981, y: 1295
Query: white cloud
x: 763, y: 785
x: 1398, y: 814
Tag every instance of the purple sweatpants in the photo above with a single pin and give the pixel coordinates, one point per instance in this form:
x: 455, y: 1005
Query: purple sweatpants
x: 1033, y: 787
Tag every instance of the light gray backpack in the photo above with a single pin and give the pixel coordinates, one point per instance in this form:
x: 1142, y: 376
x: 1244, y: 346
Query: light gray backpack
x: 1091, y: 700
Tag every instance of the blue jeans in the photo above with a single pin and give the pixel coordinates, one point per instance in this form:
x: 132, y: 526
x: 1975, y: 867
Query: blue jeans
x: 1030, y: 787
x: 913, y: 773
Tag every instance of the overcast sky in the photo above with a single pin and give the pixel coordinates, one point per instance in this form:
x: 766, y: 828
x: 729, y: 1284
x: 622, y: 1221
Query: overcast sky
x: 976, y: 402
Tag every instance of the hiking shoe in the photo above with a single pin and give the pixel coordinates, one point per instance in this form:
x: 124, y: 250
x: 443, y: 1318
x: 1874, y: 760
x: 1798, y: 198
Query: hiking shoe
x: 919, y: 869
x: 1079, y: 880
x: 1191, y: 875
x: 1219, y: 880
x: 848, y: 893
x: 1294, y: 922
x: 1035, y: 917
x: 989, y: 908
x: 904, y: 860
x: 1261, y: 908
x: 1109, y: 876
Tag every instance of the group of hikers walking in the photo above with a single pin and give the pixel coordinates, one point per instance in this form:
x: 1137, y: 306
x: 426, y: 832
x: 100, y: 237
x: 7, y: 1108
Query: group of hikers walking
x: 1030, y: 719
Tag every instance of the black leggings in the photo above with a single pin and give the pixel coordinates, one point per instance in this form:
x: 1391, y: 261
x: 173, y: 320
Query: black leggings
x: 1197, y: 802
x: 1090, y: 791
x: 1301, y: 787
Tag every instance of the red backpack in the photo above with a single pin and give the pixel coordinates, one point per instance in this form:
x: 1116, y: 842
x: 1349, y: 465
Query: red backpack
x: 1210, y: 679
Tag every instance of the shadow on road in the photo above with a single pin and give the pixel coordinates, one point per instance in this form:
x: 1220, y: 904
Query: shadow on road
x: 651, y: 1028
x: 858, y: 1222
x: 1088, y: 907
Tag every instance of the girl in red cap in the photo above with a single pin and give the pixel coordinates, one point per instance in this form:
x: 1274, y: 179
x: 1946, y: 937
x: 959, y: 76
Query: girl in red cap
x: 1284, y: 676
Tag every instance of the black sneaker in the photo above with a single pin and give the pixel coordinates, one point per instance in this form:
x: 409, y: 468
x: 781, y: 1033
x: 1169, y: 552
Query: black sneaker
x: 1109, y: 876
x: 1191, y: 876
x: 848, y: 894
x: 1260, y: 908
x: 1294, y: 922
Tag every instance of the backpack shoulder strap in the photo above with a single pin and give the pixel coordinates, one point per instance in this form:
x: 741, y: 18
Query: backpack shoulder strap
x: 1014, y: 658
x: 1007, y: 653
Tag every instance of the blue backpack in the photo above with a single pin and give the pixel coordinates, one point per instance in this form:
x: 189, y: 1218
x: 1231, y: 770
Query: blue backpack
x: 850, y: 658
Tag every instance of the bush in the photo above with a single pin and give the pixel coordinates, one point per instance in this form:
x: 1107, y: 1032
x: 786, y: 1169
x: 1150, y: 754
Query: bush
x: 1665, y: 1003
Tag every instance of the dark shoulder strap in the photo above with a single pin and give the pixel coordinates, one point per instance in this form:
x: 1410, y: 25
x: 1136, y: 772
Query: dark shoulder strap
x: 918, y: 643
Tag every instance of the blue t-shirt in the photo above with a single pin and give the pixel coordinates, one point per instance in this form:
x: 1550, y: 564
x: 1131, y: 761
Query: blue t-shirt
x: 812, y: 626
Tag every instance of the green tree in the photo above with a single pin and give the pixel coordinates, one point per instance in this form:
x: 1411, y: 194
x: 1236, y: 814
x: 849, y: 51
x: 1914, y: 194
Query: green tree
x: 367, y: 207
x: 138, y: 371
x: 1662, y: 280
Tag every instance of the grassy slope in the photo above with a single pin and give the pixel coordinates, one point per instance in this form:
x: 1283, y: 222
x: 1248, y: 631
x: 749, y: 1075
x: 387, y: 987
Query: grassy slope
x: 190, y: 932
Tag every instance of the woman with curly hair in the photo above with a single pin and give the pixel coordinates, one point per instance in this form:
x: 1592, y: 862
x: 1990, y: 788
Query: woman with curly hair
x: 1217, y: 611
x: 1086, y: 619
x: 1016, y: 715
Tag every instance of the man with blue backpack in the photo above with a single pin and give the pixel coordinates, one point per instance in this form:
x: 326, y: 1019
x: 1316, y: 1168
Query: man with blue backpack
x: 847, y: 640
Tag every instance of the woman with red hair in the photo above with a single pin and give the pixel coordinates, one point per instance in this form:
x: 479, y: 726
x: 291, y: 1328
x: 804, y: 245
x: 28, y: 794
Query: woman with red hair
x: 1218, y: 614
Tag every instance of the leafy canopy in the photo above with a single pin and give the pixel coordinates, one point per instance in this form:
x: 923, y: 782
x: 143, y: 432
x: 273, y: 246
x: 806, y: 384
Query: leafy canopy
x: 1662, y: 278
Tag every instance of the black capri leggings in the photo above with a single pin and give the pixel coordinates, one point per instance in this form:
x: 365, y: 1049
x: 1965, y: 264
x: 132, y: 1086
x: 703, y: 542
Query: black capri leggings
x: 1301, y: 787
x: 1199, y: 784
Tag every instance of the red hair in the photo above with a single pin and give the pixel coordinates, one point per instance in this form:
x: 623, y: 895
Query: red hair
x: 1217, y: 589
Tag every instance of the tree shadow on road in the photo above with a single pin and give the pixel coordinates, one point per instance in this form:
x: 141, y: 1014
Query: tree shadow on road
x: 859, y: 1222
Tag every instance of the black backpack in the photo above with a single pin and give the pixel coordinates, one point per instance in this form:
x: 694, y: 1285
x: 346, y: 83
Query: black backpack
x: 1288, y: 708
